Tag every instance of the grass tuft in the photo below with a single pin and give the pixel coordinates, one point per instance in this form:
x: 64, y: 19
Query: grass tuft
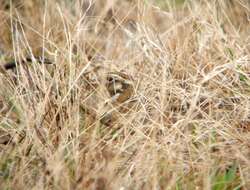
x: 132, y: 94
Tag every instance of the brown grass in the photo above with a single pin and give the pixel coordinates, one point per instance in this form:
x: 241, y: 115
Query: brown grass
x: 184, y: 124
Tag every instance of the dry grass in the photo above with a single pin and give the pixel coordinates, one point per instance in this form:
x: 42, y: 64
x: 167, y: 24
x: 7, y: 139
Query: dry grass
x: 181, y: 121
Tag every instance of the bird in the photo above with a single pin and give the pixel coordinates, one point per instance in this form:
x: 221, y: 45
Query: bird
x: 121, y: 90
x: 119, y: 86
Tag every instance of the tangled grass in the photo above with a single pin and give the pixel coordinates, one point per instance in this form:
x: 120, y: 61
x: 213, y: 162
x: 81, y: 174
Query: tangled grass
x: 187, y: 120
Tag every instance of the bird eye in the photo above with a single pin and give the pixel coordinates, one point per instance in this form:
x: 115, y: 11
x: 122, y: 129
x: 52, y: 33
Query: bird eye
x: 110, y: 79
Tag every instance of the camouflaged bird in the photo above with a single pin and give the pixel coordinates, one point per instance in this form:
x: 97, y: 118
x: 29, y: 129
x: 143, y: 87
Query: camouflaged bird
x: 120, y: 88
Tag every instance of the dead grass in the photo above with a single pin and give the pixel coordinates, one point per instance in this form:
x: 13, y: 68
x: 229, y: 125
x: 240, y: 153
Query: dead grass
x: 184, y: 124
